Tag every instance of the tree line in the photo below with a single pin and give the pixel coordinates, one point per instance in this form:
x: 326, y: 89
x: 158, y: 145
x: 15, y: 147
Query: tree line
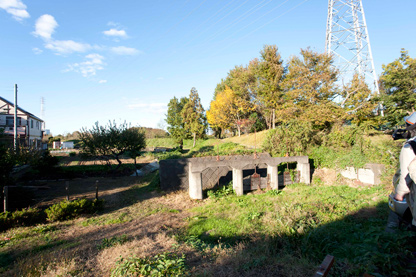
x: 269, y: 92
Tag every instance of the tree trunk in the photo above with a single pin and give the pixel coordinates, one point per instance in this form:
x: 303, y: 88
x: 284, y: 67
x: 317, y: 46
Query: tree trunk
x: 194, y: 140
x: 135, y: 166
x: 119, y: 162
x: 239, y: 131
x: 274, y: 118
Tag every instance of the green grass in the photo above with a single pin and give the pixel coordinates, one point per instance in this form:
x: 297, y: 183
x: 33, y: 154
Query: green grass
x: 308, y: 222
x: 161, y: 142
x: 205, y: 147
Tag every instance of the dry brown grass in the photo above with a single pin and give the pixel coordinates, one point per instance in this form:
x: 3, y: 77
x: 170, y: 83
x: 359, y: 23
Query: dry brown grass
x: 249, y: 140
x: 76, y: 243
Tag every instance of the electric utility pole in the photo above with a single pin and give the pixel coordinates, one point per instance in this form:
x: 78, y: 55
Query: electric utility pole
x: 15, y: 117
x: 348, y: 42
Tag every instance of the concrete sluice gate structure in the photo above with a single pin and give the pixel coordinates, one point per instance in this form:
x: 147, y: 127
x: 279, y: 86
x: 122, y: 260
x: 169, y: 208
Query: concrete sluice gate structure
x: 197, y: 174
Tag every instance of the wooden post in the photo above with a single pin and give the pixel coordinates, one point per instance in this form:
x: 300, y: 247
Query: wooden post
x: 67, y: 190
x: 96, y: 189
x: 325, y: 266
x: 6, y: 198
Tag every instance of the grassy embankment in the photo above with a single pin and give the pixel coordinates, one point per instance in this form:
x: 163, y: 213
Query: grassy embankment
x: 286, y: 232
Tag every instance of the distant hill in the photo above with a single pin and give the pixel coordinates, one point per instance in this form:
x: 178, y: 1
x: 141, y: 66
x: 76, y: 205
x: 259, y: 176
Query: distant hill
x: 155, y: 133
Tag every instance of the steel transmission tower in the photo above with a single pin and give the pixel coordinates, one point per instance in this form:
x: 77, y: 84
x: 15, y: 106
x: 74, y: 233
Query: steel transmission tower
x: 348, y: 41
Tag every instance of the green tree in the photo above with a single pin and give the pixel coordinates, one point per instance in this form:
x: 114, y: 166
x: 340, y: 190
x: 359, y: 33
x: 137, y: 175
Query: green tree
x: 311, y: 90
x: 358, y: 101
x: 398, y: 83
x: 175, y: 120
x: 137, y: 137
x: 111, y: 141
x: 193, y: 115
x: 269, y: 73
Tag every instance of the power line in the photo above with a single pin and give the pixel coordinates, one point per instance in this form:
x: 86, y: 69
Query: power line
x: 173, y: 27
x: 261, y: 17
x: 262, y: 26
x: 239, y: 19
x: 212, y: 16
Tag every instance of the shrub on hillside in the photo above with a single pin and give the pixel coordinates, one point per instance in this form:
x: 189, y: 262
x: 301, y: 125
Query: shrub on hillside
x: 25, y: 217
x: 293, y: 138
x: 65, y: 210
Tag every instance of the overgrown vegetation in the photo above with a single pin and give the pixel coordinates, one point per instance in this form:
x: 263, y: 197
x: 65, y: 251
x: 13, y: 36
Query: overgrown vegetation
x: 165, y: 264
x: 65, y: 210
x: 306, y: 223
x: 340, y: 147
x: 25, y: 217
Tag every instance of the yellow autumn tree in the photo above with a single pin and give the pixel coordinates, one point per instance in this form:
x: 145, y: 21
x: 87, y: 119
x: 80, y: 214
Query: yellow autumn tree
x: 228, y: 110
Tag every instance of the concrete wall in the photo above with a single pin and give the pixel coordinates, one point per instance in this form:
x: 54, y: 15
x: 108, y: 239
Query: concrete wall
x: 197, y: 174
x: 370, y: 174
x: 174, y: 174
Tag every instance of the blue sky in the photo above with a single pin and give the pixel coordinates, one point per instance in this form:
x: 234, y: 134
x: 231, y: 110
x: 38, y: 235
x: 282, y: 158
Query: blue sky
x: 124, y: 60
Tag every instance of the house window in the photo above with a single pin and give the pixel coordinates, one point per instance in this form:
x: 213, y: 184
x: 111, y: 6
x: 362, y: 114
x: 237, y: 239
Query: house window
x: 37, y: 125
x: 10, y: 121
x: 31, y: 124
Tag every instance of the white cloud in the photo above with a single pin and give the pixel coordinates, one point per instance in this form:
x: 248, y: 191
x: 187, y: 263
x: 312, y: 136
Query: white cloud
x: 45, y: 26
x: 16, y: 8
x: 37, y: 51
x: 102, y: 81
x: 89, y: 67
x: 122, y: 50
x: 67, y: 46
x: 158, y: 108
x: 115, y: 33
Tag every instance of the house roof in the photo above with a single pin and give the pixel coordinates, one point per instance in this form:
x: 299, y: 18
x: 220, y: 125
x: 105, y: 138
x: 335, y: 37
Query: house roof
x: 20, y: 109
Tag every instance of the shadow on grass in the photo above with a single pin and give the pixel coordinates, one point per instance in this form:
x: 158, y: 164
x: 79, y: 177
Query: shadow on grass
x: 139, y: 192
x: 358, y: 242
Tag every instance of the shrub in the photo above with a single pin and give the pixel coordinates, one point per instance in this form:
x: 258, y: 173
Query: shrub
x: 293, y: 138
x: 72, y: 154
x: 45, y: 162
x: 25, y: 217
x: 166, y: 264
x: 65, y: 210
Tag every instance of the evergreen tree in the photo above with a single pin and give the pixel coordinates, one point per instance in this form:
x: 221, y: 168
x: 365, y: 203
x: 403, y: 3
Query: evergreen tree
x: 269, y: 74
x: 193, y: 115
x: 175, y: 120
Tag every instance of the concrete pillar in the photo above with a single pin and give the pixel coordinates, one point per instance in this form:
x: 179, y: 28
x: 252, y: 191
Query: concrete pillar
x: 238, y: 181
x: 234, y: 179
x: 305, y: 172
x: 272, y: 171
x: 195, y: 184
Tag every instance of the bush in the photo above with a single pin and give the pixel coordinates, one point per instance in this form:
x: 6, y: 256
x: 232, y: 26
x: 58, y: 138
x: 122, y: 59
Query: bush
x: 71, y: 209
x: 45, y: 162
x: 25, y: 217
x: 293, y: 138
x: 166, y: 264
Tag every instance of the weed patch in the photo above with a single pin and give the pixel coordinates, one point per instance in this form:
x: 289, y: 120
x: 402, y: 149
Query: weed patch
x: 117, y: 240
x: 166, y: 264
